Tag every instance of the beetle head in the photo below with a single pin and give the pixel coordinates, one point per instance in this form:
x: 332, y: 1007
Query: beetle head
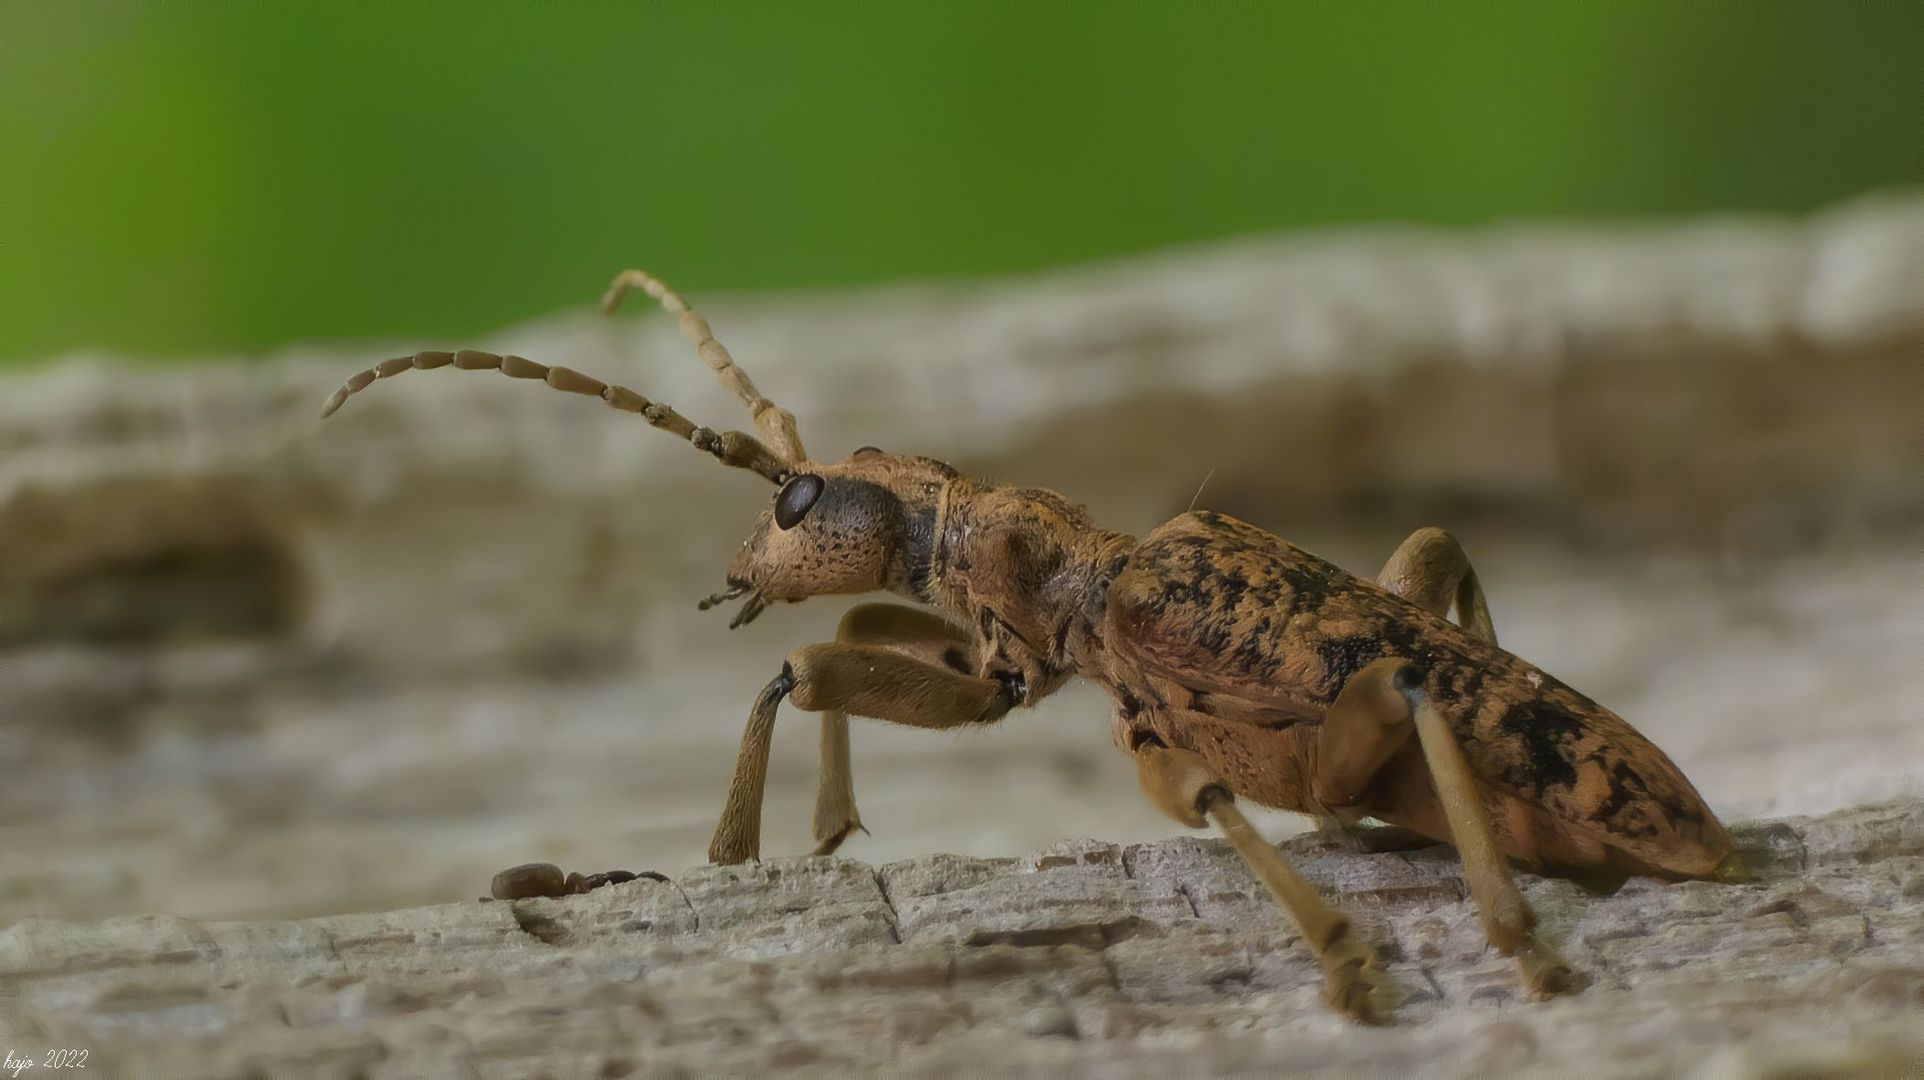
x: 864, y: 523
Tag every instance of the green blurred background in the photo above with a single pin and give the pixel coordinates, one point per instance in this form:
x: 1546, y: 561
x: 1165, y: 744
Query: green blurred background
x: 197, y: 178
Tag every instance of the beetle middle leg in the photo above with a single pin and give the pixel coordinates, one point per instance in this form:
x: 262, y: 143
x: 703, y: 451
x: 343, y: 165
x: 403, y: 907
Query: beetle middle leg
x: 874, y: 681
x: 1374, y: 716
x: 1181, y: 784
x: 1431, y: 570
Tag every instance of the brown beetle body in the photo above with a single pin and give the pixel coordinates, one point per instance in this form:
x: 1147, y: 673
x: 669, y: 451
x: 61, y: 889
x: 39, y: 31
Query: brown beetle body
x: 1240, y: 663
x: 1220, y: 638
x: 1241, y: 666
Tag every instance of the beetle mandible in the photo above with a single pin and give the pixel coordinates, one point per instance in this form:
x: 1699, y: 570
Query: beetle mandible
x: 1240, y: 665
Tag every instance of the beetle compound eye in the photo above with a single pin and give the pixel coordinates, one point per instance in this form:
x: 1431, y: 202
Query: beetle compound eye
x: 792, y: 503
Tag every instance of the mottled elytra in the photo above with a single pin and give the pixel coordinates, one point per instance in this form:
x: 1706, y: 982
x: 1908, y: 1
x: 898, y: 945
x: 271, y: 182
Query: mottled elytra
x: 1241, y: 668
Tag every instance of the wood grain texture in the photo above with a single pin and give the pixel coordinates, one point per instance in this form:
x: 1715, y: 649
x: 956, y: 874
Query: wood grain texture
x: 1086, y: 957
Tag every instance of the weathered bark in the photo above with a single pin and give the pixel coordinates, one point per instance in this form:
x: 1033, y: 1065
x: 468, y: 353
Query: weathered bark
x: 1086, y: 958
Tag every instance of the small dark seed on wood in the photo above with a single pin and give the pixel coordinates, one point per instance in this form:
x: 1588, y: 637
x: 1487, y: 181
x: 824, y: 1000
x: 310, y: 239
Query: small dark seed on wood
x: 529, y: 880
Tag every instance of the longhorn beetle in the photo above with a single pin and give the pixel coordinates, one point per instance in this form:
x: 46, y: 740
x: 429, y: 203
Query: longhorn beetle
x: 1240, y: 665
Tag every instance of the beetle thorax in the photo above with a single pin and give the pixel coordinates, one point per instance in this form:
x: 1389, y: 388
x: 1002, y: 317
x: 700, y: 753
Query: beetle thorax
x: 1025, y: 567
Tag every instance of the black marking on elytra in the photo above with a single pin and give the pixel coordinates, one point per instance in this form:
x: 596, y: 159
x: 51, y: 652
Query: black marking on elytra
x: 1310, y: 580
x: 1547, y: 732
x: 1343, y: 657
x: 1407, y: 638
x: 1680, y: 810
x: 1255, y: 653
x: 1311, y: 584
x: 1464, y: 684
x: 1233, y: 585
x: 1627, y: 791
x: 1178, y: 591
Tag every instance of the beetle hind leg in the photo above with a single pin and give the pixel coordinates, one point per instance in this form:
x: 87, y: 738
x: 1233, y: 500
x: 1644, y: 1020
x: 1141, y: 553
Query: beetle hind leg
x: 1182, y: 785
x: 1375, y: 716
x: 1508, y: 920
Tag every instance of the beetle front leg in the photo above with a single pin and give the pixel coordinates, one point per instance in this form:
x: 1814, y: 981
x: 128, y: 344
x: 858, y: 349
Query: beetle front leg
x: 738, y: 836
x: 863, y: 680
x: 910, y: 631
x: 1182, y: 785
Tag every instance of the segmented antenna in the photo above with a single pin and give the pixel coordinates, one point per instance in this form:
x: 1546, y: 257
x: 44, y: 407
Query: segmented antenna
x: 734, y: 448
x: 776, y: 424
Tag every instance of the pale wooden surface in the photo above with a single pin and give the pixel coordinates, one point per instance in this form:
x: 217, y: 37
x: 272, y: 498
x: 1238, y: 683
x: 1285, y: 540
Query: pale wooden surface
x: 1088, y: 958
